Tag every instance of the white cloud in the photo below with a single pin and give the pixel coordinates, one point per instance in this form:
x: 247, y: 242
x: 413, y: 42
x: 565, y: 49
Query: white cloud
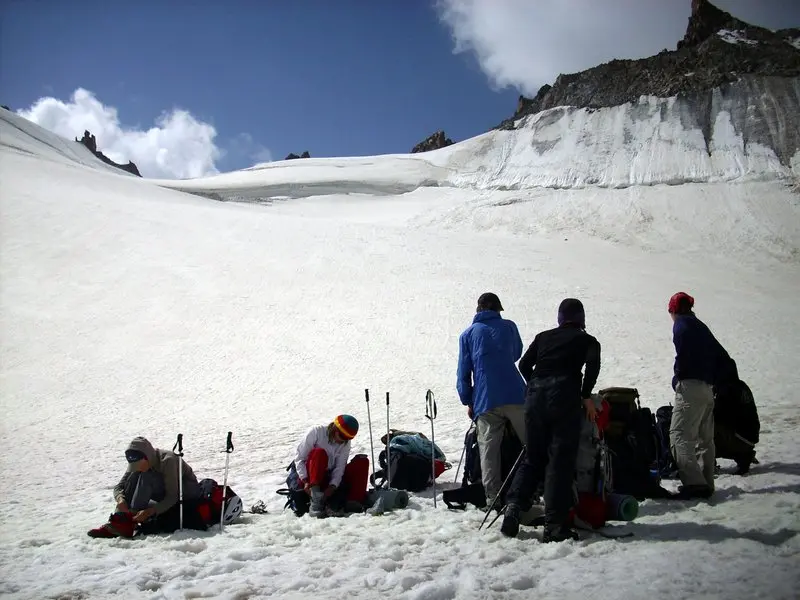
x: 178, y: 146
x: 527, y: 43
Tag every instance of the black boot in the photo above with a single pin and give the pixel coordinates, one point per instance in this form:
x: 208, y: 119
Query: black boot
x: 559, y: 534
x: 510, y: 526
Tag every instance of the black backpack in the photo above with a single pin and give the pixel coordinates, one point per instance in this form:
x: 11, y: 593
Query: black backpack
x: 410, y: 471
x: 509, y: 452
x: 296, y: 497
x: 471, y: 490
x: 667, y: 467
x: 632, y: 440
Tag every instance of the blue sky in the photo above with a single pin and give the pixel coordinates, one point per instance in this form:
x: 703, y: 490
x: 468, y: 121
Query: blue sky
x: 350, y: 77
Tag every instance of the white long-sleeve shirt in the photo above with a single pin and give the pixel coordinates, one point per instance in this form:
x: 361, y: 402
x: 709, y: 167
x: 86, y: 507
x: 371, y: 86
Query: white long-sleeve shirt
x: 317, y: 437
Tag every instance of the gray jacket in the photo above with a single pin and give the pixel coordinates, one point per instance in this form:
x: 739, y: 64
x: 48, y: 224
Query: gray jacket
x: 164, y: 462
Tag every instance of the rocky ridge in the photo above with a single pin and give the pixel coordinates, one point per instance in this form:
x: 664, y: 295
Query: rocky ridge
x: 717, y: 49
x: 90, y: 142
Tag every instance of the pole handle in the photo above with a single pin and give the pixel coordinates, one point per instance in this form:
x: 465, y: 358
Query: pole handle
x: 178, y: 445
x: 387, y: 398
x: 229, y: 443
x: 430, y: 406
x: 366, y: 394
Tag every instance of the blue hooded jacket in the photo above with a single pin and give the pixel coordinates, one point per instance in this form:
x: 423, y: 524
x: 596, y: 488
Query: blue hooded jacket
x: 487, y: 373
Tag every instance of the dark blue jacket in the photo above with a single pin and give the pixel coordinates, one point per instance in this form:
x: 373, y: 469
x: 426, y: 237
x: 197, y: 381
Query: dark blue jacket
x: 487, y: 374
x: 698, y: 354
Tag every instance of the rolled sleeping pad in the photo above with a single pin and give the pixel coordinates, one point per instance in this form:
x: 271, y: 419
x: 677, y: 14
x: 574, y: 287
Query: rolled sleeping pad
x: 620, y: 507
x: 392, y: 499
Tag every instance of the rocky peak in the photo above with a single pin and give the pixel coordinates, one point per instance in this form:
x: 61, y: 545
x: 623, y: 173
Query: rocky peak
x: 293, y: 156
x: 717, y: 49
x: 90, y: 142
x: 706, y: 20
x: 433, y: 142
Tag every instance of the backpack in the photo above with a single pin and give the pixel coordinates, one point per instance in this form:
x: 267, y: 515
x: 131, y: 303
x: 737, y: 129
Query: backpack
x: 509, y: 452
x: 296, y: 497
x: 210, y: 503
x: 593, y: 471
x: 667, y: 467
x: 471, y: 490
x: 410, y: 462
x: 632, y: 442
x: 735, y: 407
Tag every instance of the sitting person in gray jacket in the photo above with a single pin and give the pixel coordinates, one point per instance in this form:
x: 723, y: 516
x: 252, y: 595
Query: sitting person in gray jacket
x: 149, y: 488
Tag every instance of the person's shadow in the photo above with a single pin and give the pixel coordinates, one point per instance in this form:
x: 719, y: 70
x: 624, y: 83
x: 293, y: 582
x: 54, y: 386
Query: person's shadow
x: 657, y: 507
x: 709, y: 532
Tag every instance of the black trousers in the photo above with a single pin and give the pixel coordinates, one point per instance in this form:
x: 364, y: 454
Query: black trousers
x: 553, y: 416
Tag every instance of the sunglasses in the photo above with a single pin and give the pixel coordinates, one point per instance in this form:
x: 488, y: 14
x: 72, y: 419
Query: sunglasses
x: 133, y: 456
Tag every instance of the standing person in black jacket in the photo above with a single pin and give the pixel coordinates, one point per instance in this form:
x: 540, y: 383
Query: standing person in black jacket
x: 556, y: 389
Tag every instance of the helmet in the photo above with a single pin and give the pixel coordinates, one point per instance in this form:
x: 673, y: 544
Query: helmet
x: 233, y: 508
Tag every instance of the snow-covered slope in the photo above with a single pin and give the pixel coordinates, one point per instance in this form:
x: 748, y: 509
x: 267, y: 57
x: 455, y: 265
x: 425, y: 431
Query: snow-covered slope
x: 129, y: 309
x: 749, y: 130
x: 20, y: 135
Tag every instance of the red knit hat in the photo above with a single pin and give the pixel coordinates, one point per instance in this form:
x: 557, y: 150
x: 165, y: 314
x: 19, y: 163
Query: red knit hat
x: 347, y: 426
x: 680, y: 303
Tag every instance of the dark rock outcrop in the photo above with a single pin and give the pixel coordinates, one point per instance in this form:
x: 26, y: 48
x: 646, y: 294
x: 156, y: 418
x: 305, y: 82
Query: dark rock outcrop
x: 717, y: 49
x: 293, y: 156
x: 432, y: 142
x: 4, y: 106
x: 90, y: 142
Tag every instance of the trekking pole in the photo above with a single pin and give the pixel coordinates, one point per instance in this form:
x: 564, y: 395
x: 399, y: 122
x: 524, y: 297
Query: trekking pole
x: 228, y: 450
x: 179, y: 447
x: 388, y: 450
x: 430, y: 414
x: 371, y: 447
x: 463, y: 451
x: 503, y: 487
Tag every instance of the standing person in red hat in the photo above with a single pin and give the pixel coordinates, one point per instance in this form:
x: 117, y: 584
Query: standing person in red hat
x: 699, y: 362
x: 321, y: 462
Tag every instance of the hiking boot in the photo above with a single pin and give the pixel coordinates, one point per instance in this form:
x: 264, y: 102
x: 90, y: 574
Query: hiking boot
x: 510, y: 526
x: 119, y: 525
x: 691, y: 492
x: 744, y: 461
x: 317, y: 508
x: 498, y: 506
x: 334, y: 512
x: 560, y: 534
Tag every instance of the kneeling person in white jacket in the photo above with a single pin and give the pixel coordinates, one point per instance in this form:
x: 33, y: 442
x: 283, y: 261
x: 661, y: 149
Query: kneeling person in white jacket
x: 321, y: 460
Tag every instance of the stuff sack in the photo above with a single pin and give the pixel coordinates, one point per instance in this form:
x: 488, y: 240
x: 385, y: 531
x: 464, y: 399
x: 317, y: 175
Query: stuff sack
x: 210, y: 503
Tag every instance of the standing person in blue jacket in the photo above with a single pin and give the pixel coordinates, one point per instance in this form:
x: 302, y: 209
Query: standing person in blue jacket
x: 700, y: 361
x: 490, y: 384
